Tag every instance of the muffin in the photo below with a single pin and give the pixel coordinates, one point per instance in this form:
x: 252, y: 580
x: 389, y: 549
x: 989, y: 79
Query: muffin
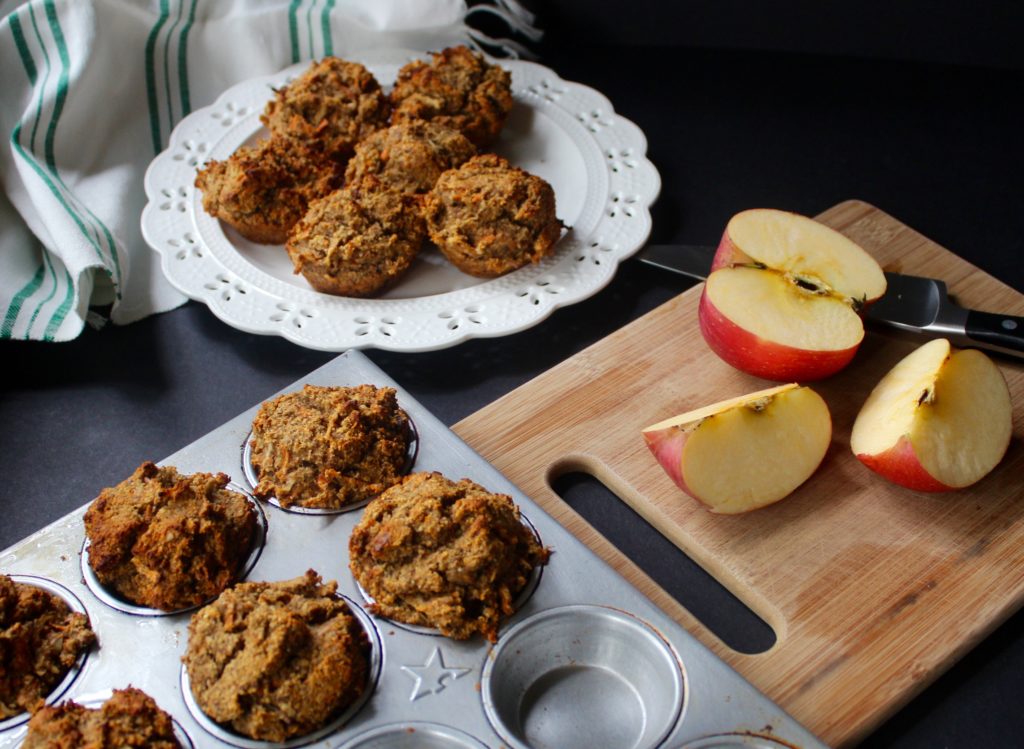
x: 330, y: 107
x: 445, y: 554
x: 357, y: 241
x: 40, y: 640
x: 263, y: 190
x: 328, y: 447
x: 489, y: 217
x: 457, y: 88
x: 276, y: 660
x: 169, y: 541
x: 410, y: 156
x: 129, y: 718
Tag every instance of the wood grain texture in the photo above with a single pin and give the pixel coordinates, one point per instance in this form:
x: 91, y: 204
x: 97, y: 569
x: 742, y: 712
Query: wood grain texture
x: 872, y: 590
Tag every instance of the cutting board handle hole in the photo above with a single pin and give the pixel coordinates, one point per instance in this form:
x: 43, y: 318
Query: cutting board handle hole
x: 701, y: 594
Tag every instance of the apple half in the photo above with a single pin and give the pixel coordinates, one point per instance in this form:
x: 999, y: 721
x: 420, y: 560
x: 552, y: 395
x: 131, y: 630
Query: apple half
x: 745, y: 452
x: 941, y: 419
x: 784, y: 296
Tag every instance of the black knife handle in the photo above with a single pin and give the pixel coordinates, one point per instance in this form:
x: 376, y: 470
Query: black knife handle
x: 1005, y: 331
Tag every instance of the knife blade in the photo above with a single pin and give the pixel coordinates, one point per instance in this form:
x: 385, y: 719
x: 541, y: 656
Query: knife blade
x: 912, y: 303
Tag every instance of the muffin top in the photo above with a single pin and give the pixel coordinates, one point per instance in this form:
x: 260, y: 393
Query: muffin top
x: 410, y: 156
x: 357, y: 240
x: 489, y: 217
x: 457, y: 88
x: 276, y: 660
x: 330, y: 107
x: 263, y: 190
x: 328, y: 447
x: 445, y: 554
x: 169, y: 541
x: 129, y: 718
x: 40, y: 640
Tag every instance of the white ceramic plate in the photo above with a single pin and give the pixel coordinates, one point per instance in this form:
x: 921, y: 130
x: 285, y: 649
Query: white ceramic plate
x: 565, y: 132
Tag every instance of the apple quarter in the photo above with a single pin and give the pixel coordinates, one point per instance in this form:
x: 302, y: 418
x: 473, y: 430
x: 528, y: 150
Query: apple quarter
x: 746, y: 452
x: 940, y: 419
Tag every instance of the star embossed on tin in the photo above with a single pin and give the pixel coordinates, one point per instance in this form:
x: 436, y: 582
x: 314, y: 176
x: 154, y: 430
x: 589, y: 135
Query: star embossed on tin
x: 432, y: 676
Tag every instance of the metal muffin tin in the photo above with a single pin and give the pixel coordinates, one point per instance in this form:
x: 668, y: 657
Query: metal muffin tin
x: 587, y: 661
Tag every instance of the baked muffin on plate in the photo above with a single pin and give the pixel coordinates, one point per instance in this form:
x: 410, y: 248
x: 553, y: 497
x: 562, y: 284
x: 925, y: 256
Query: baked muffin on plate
x: 489, y: 217
x: 410, y: 156
x: 129, y: 718
x: 169, y: 541
x: 358, y: 240
x: 329, y: 447
x: 444, y: 554
x: 263, y: 190
x: 275, y: 660
x: 40, y: 640
x: 457, y: 88
x: 330, y: 107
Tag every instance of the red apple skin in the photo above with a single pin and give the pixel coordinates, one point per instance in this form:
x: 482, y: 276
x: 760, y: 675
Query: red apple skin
x: 900, y: 465
x: 771, y: 361
x: 667, y: 447
x: 728, y: 254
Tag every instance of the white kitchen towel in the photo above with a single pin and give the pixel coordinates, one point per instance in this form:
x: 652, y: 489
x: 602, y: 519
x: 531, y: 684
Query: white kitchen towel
x: 89, y: 93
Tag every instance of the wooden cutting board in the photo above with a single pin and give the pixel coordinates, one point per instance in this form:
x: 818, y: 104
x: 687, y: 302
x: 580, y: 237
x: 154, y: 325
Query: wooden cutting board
x: 872, y: 590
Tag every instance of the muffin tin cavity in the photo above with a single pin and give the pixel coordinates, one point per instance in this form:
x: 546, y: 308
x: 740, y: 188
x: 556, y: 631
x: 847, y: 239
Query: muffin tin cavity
x: 228, y: 736
x: 74, y: 604
x: 116, y: 602
x: 582, y: 676
x: 413, y: 735
x: 253, y: 478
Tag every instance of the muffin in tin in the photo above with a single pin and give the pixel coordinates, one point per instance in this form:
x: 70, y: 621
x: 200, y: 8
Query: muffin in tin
x: 333, y: 105
x: 169, y: 541
x: 40, y: 640
x: 489, y: 217
x: 129, y: 718
x: 410, y: 156
x: 329, y: 447
x: 445, y: 554
x: 276, y: 660
x: 263, y: 190
x: 359, y: 240
x: 457, y: 88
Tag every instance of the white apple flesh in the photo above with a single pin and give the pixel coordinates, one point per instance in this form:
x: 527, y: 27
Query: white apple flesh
x: 746, y: 452
x: 784, y: 296
x: 941, y: 419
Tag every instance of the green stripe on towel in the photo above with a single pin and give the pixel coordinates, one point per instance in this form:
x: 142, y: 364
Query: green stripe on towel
x: 167, y: 70
x: 14, y: 308
x: 62, y: 311
x: 58, y: 108
x: 325, y: 28
x: 186, y: 99
x: 151, y: 95
x: 293, y: 28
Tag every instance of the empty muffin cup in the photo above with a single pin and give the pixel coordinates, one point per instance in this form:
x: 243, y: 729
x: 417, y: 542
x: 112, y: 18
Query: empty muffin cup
x: 582, y: 676
x: 413, y: 735
x: 115, y: 601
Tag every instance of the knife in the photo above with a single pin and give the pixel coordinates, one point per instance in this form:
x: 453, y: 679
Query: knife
x: 920, y: 305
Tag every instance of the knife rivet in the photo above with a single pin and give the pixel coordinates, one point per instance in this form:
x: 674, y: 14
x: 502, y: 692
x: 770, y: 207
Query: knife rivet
x: 1010, y: 324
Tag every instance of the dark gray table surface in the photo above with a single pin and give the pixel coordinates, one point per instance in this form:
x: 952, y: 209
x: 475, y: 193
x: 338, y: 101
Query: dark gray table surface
x: 939, y: 146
